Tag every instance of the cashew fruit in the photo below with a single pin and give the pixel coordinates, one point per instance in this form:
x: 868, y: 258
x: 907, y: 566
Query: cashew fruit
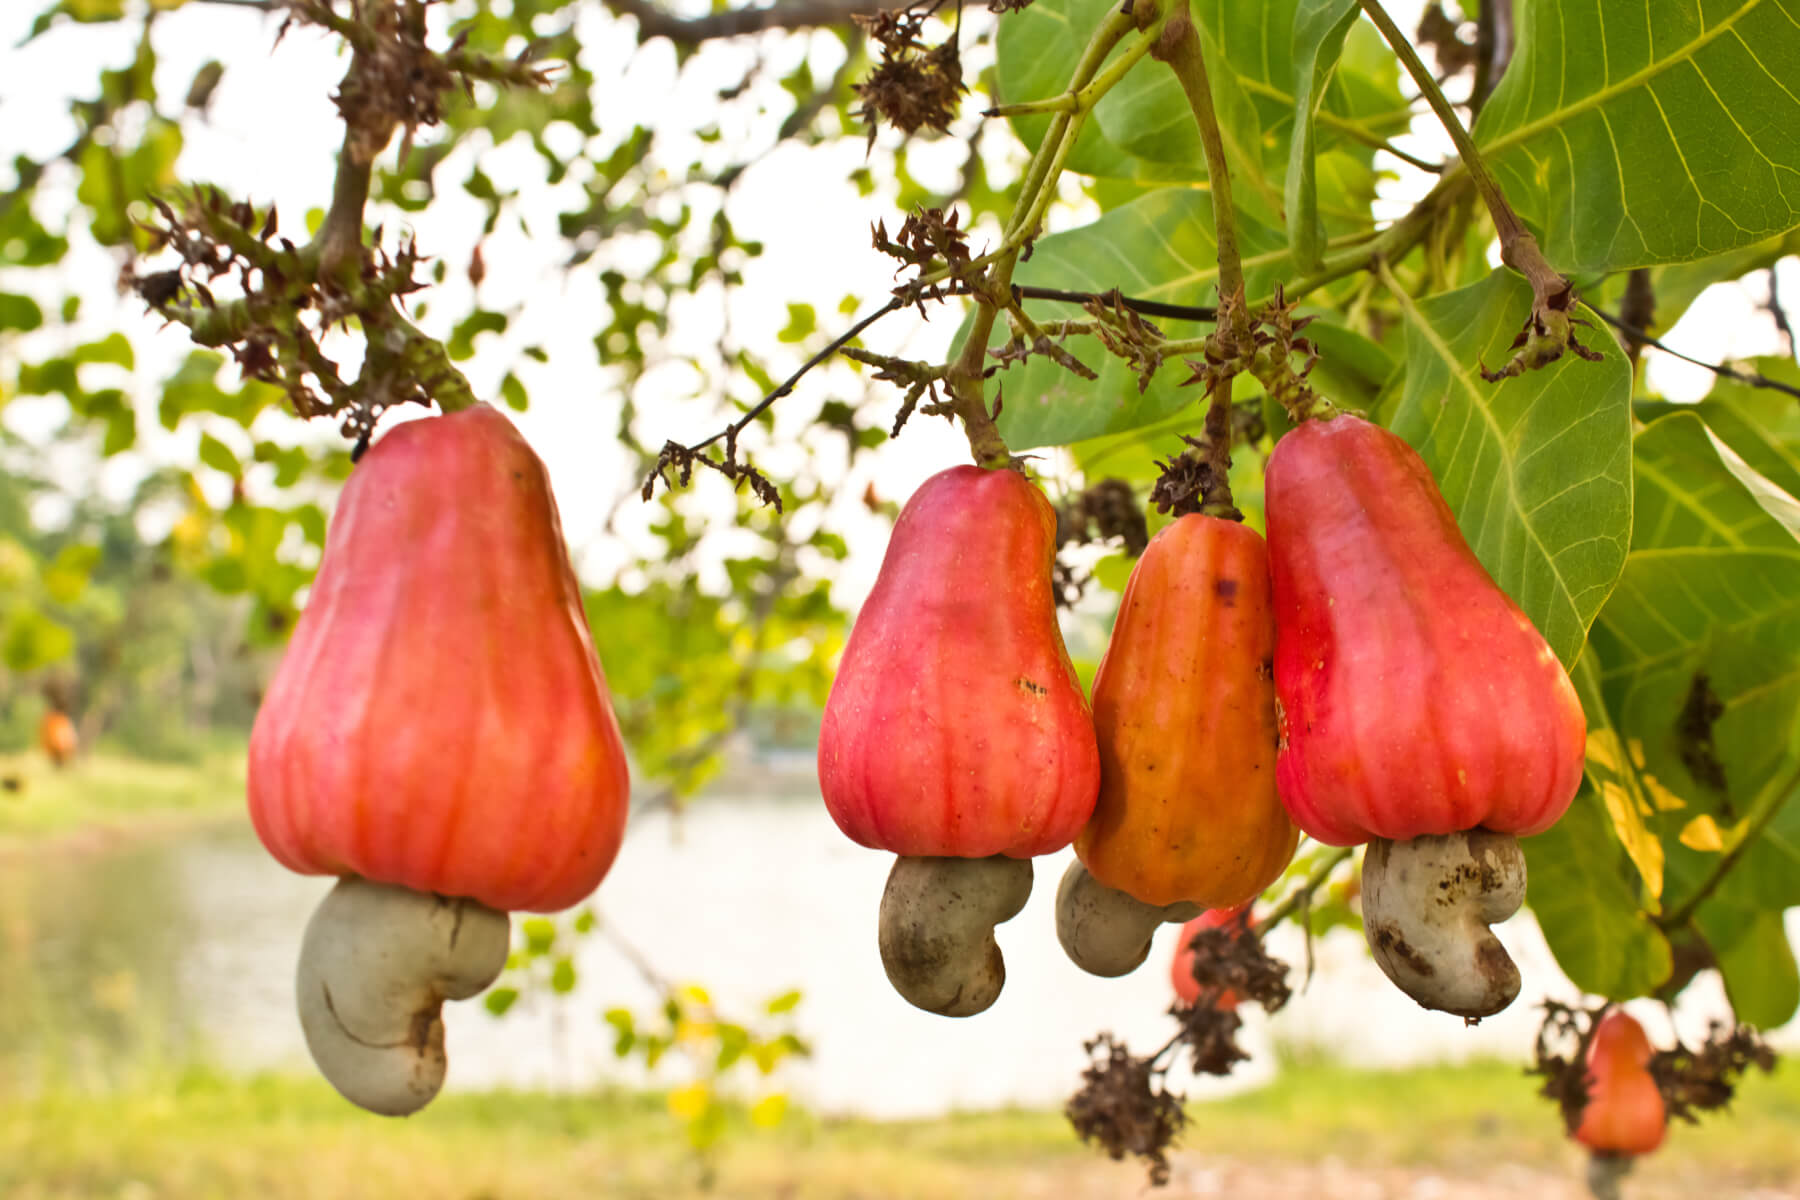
x: 1184, y: 712
x: 57, y: 736
x: 440, y: 720
x: 956, y: 726
x: 1416, y: 698
x: 1624, y: 1114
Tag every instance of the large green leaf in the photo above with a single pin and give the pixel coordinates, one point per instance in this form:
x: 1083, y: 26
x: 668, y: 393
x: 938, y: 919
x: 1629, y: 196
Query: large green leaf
x: 1635, y: 134
x: 1701, y: 652
x: 1581, y: 891
x: 1538, y: 468
x: 1158, y: 247
x: 1676, y: 286
x: 1689, y: 495
x: 1760, y: 424
x: 1752, y: 950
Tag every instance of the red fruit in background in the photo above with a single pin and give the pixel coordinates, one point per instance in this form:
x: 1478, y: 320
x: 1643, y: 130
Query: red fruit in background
x: 956, y: 725
x: 57, y: 736
x: 1181, y: 967
x: 1415, y: 697
x: 440, y: 720
x: 1624, y: 1113
x: 1184, y: 710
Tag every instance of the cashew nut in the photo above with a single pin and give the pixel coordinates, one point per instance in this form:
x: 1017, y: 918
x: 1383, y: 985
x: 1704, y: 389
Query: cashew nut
x: 1427, y: 904
x: 1105, y: 931
x: 376, y: 965
x: 937, y: 929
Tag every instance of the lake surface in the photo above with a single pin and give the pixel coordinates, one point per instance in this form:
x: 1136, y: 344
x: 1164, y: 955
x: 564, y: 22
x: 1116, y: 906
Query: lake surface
x: 162, y: 951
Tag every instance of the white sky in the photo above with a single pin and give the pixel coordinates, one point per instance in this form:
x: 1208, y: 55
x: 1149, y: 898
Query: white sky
x: 272, y: 135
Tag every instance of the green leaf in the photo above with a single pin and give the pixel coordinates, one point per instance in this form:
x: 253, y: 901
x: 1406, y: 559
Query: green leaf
x: 1630, y: 802
x: 219, y: 456
x: 114, y: 348
x: 19, y: 313
x: 539, y: 934
x: 33, y: 641
x: 1689, y: 495
x: 499, y: 999
x: 1677, y: 285
x: 67, y: 575
x: 1756, y: 960
x: 1587, y: 907
x: 512, y: 390
x: 784, y: 1003
x: 1701, y: 648
x: 802, y: 322
x: 562, y: 976
x: 1537, y: 468
x: 1158, y: 247
x: 1036, y: 54
x: 1320, y: 27
x: 1761, y: 425
x: 1633, y: 134
x: 462, y: 339
x: 1147, y: 115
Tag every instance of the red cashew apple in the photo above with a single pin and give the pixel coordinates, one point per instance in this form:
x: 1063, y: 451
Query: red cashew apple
x: 1624, y: 1114
x: 1420, y: 709
x: 1188, y: 817
x: 956, y: 734
x: 439, y: 733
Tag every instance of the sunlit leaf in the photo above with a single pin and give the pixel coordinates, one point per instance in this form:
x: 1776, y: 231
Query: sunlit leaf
x: 1633, y: 134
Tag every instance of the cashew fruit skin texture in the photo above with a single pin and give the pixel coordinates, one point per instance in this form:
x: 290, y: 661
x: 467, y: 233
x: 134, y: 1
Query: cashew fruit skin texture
x: 1416, y: 698
x: 440, y: 720
x: 1181, y: 967
x: 1184, y: 712
x: 1624, y: 1113
x: 956, y: 726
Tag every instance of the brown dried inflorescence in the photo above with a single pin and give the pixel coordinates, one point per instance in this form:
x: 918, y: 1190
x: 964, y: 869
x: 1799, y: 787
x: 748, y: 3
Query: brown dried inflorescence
x: 1107, y: 508
x: 928, y: 240
x: 1231, y: 958
x: 915, y: 85
x: 1123, y: 1106
x: 1691, y: 1080
x: 1122, y: 1103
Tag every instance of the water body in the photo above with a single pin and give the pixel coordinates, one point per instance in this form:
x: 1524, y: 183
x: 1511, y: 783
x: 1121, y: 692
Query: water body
x: 165, y: 951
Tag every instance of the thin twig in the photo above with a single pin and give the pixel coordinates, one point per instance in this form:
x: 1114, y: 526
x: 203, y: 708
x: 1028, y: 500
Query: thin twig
x: 1149, y: 308
x: 1782, y: 324
x: 787, y: 386
x: 1725, y: 371
x: 1301, y: 894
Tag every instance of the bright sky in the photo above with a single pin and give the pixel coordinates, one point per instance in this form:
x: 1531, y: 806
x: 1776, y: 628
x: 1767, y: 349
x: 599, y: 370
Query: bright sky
x: 272, y: 135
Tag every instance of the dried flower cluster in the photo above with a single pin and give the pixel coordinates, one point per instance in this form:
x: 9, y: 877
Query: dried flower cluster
x: 915, y: 85
x: 1122, y: 1103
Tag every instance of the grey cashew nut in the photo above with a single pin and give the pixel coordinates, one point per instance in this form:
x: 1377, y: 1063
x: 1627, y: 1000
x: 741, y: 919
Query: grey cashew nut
x: 937, y: 929
x: 376, y: 965
x: 1105, y: 931
x: 1427, y: 904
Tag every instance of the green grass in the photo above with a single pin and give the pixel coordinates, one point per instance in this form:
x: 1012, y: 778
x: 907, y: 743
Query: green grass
x: 105, y: 794
x: 200, y: 1135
